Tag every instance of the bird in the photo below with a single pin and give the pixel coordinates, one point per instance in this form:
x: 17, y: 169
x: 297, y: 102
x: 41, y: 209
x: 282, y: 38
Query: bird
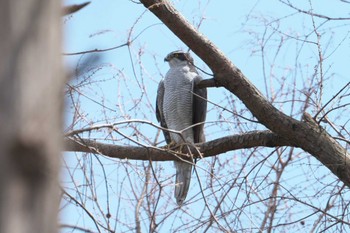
x: 180, y: 105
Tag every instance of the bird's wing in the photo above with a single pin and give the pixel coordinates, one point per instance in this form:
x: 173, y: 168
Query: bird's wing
x: 159, y: 111
x: 199, y: 110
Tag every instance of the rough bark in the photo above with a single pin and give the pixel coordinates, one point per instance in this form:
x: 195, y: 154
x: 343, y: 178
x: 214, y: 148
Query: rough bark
x: 30, y: 115
x: 304, y: 134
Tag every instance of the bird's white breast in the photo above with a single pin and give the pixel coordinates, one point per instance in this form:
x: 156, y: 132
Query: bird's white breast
x: 178, y: 101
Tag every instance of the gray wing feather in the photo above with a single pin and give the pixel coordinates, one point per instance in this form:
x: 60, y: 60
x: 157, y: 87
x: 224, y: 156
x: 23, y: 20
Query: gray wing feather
x: 199, y: 110
x: 159, y: 111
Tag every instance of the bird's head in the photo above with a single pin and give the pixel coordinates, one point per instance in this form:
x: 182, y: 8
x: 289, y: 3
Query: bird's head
x: 178, y: 58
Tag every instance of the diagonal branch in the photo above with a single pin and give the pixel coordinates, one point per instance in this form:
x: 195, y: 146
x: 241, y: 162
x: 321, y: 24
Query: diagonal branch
x: 305, y: 134
x: 240, y: 141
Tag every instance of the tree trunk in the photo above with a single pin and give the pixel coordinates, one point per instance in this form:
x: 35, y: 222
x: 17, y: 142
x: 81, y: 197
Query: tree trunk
x: 31, y: 84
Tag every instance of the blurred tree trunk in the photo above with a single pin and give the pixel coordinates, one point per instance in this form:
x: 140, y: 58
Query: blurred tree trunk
x: 31, y: 83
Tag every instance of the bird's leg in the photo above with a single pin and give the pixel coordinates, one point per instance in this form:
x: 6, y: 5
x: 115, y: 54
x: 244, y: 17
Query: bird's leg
x: 185, y: 148
x: 171, y: 145
x: 192, y: 150
x: 198, y: 154
x: 175, y: 146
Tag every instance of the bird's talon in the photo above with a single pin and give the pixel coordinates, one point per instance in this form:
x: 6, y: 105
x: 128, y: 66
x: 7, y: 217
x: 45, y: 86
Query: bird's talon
x: 171, y: 145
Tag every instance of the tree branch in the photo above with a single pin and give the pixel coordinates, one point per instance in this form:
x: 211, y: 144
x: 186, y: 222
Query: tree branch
x: 310, y: 137
x: 218, y: 146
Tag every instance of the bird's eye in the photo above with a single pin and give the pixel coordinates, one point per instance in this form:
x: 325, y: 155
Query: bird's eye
x: 176, y: 54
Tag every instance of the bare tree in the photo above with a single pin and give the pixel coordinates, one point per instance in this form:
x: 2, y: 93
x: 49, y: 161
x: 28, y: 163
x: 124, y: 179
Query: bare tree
x: 258, y: 189
x: 30, y: 115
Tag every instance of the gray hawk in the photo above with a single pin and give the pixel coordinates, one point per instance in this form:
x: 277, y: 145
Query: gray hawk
x: 180, y: 105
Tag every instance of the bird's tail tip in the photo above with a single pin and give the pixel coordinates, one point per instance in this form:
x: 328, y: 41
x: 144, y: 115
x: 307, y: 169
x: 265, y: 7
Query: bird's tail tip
x: 180, y: 193
x: 183, y: 179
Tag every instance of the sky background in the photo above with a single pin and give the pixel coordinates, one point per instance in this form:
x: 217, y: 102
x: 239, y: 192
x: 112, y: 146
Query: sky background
x: 232, y: 26
x: 122, y: 76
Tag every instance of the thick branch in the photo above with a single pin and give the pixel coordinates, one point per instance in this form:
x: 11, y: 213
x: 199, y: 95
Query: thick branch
x: 205, y: 83
x: 308, y: 136
x: 211, y: 148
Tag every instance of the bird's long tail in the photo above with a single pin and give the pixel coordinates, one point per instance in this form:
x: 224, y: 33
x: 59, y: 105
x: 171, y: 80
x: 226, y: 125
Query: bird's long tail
x: 183, y: 179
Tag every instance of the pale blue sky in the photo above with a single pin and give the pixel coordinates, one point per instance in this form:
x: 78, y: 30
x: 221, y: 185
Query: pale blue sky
x: 105, y: 23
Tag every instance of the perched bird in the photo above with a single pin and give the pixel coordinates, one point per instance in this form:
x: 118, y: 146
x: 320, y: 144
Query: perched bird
x: 180, y: 105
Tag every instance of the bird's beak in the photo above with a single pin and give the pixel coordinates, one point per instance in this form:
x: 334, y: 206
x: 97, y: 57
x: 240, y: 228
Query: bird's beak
x: 166, y: 59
